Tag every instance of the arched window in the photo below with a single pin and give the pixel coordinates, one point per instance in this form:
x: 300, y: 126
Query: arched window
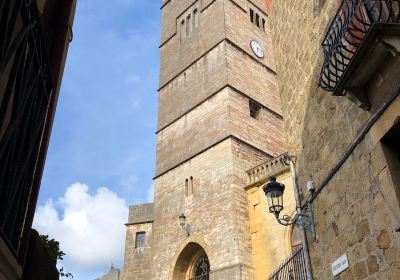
x: 195, y: 19
x: 186, y: 187
x: 201, y: 269
x: 192, y: 264
x: 257, y: 20
x: 251, y: 16
x: 295, y: 238
x: 191, y: 185
x: 182, y: 29
x: 188, y: 26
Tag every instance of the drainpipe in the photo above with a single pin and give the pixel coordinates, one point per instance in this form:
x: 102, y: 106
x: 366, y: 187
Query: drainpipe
x: 298, y: 209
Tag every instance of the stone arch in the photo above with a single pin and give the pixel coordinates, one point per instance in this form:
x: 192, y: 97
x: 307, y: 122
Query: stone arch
x: 188, y: 254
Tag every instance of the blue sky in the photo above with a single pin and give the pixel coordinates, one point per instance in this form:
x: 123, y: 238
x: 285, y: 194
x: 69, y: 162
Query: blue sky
x: 101, y: 156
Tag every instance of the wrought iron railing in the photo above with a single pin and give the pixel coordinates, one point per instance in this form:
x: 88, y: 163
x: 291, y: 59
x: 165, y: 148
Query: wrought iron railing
x: 25, y: 91
x: 352, y: 22
x: 293, y: 268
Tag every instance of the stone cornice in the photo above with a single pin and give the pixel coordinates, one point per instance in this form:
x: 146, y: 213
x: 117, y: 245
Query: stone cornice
x: 260, y: 174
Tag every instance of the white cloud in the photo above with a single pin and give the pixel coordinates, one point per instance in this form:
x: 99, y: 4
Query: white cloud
x: 90, y: 228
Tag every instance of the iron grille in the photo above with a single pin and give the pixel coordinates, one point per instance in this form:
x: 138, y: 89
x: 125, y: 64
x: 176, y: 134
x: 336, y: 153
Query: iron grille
x: 25, y: 92
x: 294, y: 268
x: 201, y: 269
x: 352, y: 22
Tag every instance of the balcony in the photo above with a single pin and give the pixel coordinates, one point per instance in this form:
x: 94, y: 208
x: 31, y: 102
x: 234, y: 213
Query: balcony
x: 260, y: 174
x: 361, y: 36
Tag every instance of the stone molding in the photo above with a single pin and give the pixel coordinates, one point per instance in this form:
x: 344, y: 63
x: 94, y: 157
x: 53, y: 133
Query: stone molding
x: 260, y: 174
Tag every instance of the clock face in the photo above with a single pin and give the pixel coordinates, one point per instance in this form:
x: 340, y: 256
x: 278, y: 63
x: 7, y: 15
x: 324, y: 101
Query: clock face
x: 257, y: 49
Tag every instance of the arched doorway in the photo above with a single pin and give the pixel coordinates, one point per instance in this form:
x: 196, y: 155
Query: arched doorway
x: 192, y: 264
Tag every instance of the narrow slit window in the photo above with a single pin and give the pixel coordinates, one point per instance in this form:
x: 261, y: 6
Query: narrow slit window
x: 251, y: 16
x: 263, y: 24
x: 182, y: 29
x: 257, y: 20
x: 186, y: 187
x: 195, y: 19
x: 255, y: 108
x: 191, y: 185
x: 140, y: 239
x: 188, y: 26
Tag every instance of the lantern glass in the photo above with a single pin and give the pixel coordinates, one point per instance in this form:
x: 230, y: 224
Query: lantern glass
x: 182, y: 219
x: 274, y: 193
x: 275, y: 201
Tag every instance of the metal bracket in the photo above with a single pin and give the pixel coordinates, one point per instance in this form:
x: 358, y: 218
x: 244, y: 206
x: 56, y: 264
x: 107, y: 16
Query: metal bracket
x: 303, y: 218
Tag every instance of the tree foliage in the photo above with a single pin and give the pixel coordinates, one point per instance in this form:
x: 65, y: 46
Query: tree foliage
x: 53, y: 250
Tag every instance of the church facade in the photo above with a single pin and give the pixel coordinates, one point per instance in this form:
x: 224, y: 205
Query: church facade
x: 220, y: 135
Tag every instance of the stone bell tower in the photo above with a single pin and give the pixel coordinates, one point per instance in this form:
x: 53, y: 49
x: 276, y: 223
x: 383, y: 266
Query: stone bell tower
x: 219, y: 115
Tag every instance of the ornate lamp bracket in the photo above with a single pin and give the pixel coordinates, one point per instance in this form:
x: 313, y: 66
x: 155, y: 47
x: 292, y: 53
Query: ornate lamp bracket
x: 303, y: 218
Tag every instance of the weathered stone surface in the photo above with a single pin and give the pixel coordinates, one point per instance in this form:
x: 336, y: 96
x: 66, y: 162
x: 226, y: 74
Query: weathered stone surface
x: 358, y: 208
x: 383, y: 239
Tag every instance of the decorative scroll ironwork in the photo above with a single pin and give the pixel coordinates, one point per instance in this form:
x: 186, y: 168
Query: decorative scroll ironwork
x: 201, y: 269
x: 25, y: 92
x: 293, y: 268
x: 346, y: 34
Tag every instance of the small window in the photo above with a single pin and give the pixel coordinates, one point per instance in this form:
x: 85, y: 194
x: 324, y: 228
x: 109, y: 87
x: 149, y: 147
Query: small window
x: 188, y: 26
x: 186, y: 187
x: 140, y: 239
x: 257, y: 20
x: 255, y: 108
x: 191, y: 185
x: 263, y: 24
x: 182, y: 29
x: 251, y: 16
x: 195, y: 19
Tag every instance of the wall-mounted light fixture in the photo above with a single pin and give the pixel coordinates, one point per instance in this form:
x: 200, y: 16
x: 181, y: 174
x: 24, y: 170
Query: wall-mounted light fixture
x: 186, y: 227
x: 274, y: 193
x: 303, y: 216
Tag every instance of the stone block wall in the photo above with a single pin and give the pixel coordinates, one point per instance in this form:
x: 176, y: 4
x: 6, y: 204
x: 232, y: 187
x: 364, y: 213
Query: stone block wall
x: 357, y: 211
x: 138, y: 261
x: 223, y: 115
x: 217, y: 210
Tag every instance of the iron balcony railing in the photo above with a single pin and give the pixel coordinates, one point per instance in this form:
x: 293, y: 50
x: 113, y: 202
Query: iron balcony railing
x: 25, y: 92
x: 293, y: 268
x: 346, y: 34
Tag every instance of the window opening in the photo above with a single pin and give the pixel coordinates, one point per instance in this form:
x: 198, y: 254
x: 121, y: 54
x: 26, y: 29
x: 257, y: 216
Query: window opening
x: 263, y: 24
x: 201, y: 269
x: 182, y: 29
x: 391, y: 148
x: 257, y: 20
x: 295, y: 238
x: 255, y: 108
x: 186, y: 187
x: 188, y: 26
x: 140, y: 239
x: 195, y: 19
x: 191, y: 185
x: 251, y: 16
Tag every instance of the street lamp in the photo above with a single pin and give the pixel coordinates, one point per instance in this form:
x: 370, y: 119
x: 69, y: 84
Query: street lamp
x: 182, y: 223
x: 274, y: 192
